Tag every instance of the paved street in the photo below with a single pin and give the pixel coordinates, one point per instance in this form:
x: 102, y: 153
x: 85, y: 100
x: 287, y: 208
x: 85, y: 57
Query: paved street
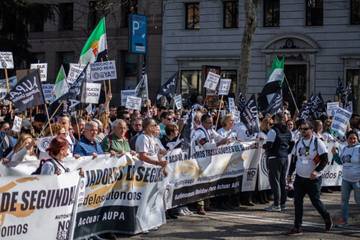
x: 254, y: 223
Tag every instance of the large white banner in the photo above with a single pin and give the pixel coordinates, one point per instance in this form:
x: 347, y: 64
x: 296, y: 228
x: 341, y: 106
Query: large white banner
x: 37, y: 207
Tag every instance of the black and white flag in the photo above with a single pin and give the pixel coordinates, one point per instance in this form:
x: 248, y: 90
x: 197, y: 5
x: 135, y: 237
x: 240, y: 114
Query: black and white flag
x: 275, y: 104
x: 168, y: 89
x: 250, y: 116
x: 241, y: 102
x: 27, y: 93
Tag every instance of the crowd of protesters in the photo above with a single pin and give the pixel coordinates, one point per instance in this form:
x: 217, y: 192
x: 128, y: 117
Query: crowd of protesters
x: 150, y: 133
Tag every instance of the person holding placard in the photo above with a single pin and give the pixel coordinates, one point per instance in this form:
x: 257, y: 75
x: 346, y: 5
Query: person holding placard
x: 349, y: 157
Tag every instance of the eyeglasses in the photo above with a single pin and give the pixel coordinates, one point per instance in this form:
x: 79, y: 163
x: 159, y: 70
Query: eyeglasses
x: 304, y: 129
x: 169, y: 119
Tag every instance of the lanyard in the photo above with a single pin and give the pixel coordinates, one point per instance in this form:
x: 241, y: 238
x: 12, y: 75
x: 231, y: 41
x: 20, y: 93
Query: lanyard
x: 307, y: 148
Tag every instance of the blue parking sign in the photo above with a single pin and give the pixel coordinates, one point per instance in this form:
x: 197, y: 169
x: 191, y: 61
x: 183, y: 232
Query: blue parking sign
x: 137, y: 33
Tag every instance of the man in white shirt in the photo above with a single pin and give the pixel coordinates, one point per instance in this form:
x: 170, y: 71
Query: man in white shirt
x: 309, y: 159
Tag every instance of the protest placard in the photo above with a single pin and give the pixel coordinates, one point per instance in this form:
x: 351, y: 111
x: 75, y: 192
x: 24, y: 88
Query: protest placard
x: 100, y: 71
x: 178, y: 101
x: 74, y: 72
x: 331, y: 107
x: 17, y: 124
x: 6, y: 60
x: 212, y: 81
x: 224, y: 86
x: 125, y: 94
x: 42, y: 68
x: 133, y: 103
x: 91, y: 93
x: 340, y: 121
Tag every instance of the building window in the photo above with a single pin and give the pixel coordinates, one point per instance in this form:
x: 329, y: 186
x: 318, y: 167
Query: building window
x: 191, y: 82
x: 66, y: 16
x: 192, y: 16
x: 65, y: 58
x: 355, y: 12
x: 353, y: 78
x: 36, y: 24
x: 271, y: 13
x: 314, y: 12
x: 231, y: 14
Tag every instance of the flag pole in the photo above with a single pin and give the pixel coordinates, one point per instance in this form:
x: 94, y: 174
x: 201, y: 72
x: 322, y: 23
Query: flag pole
x: 220, y: 105
x: 47, y: 114
x: 56, y: 110
x: 8, y: 89
x: 291, y: 93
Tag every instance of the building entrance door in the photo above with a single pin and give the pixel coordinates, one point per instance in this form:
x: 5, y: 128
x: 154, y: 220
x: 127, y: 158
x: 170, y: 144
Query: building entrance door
x: 297, y: 79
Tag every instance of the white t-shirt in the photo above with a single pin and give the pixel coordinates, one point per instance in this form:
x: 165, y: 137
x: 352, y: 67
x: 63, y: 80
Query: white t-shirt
x: 210, y: 135
x: 227, y: 133
x: 148, y: 144
x: 350, y: 157
x: 243, y: 133
x: 305, y: 151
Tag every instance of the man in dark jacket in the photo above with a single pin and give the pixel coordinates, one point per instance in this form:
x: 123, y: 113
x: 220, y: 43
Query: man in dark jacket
x: 277, y: 147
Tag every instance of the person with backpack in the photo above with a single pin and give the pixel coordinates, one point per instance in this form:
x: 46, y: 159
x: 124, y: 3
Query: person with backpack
x: 309, y: 158
x: 58, y: 151
x: 278, y: 146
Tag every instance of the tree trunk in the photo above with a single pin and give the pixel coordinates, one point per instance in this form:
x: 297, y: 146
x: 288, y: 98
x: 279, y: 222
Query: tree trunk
x: 245, y: 58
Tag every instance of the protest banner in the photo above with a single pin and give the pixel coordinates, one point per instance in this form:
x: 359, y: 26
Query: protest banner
x: 48, y: 92
x: 100, y: 71
x: 74, y: 72
x: 340, y: 121
x: 208, y: 173
x: 212, y: 81
x: 178, y: 102
x: 24, y: 201
x: 17, y: 124
x: 6, y: 60
x: 331, y: 107
x: 133, y: 103
x: 224, y: 87
x: 122, y: 195
x: 91, y: 93
x: 125, y: 94
x: 42, y: 69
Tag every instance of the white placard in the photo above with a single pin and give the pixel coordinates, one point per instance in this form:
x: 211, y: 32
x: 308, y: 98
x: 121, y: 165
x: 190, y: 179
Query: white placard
x: 232, y: 107
x: 125, y: 94
x: 224, y: 86
x: 331, y: 107
x: 212, y: 81
x: 43, y: 143
x: 6, y: 60
x: 48, y: 92
x: 91, y: 93
x: 100, y: 71
x: 17, y: 124
x: 133, y: 103
x: 3, y: 92
x: 74, y: 72
x: 178, y: 101
x: 42, y: 69
x: 340, y: 122
x: 236, y: 115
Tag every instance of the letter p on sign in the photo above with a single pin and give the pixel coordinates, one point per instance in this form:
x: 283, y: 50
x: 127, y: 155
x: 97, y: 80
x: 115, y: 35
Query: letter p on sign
x: 136, y: 26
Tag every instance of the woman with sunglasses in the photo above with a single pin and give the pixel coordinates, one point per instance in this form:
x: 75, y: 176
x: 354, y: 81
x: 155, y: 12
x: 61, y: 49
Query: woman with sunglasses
x: 349, y: 157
